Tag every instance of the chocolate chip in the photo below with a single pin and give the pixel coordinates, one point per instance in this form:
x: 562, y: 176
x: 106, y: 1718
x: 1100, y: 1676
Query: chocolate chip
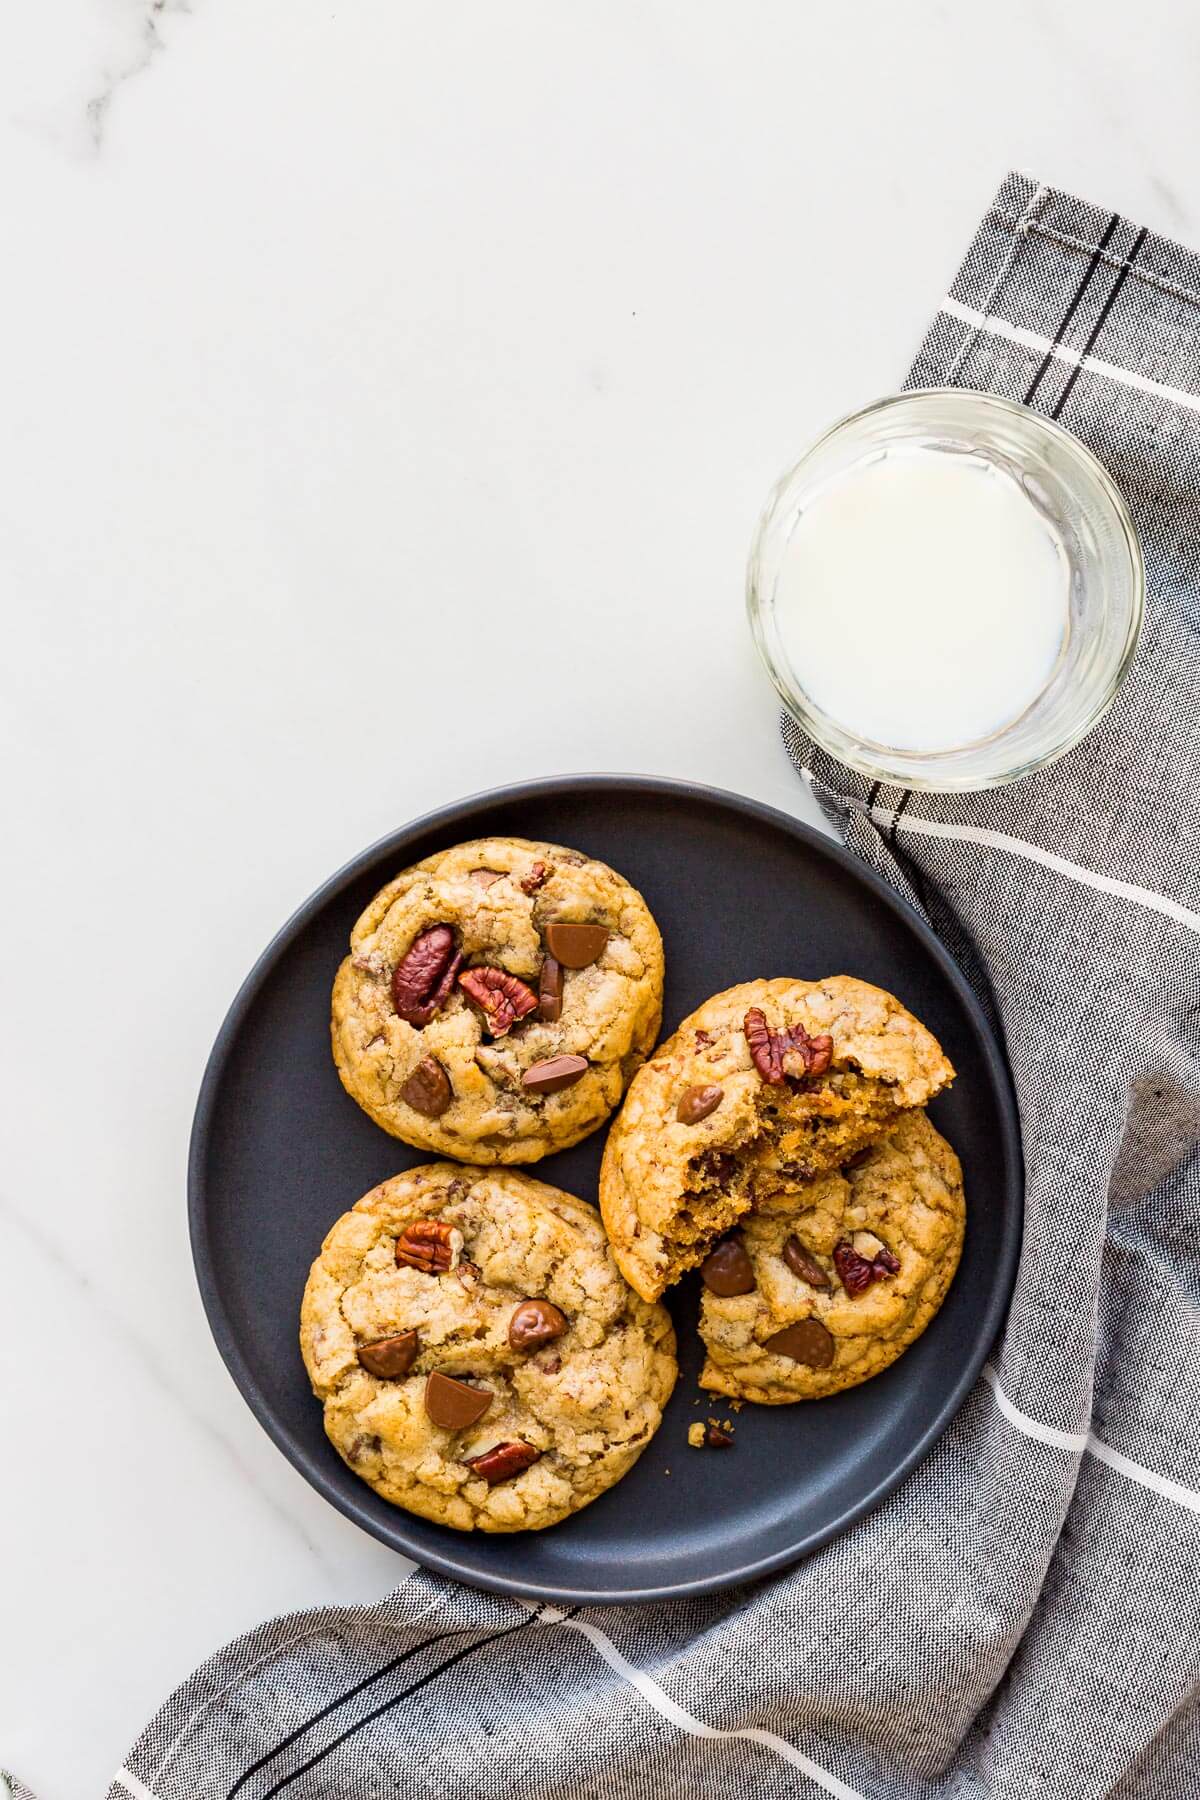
x: 535, y: 1322
x: 715, y: 1168
x: 550, y: 991
x: 556, y: 1073
x: 453, y: 1404
x: 715, y: 1438
x: 806, y: 1342
x: 574, y: 945
x: 802, y: 1263
x: 428, y: 1089
x: 727, y: 1270
x: 695, y: 1103
x: 390, y: 1357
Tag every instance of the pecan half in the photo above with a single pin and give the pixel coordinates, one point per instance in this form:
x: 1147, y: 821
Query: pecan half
x: 501, y: 997
x: 786, y: 1054
x: 503, y: 1460
x: 858, y: 1272
x: 535, y: 878
x: 429, y: 1245
x: 424, y: 976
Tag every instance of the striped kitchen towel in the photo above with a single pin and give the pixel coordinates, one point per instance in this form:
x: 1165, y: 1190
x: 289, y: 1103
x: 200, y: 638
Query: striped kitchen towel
x: 1023, y: 1616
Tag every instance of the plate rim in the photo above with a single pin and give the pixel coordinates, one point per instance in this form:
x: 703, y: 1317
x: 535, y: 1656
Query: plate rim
x: 243, y: 1375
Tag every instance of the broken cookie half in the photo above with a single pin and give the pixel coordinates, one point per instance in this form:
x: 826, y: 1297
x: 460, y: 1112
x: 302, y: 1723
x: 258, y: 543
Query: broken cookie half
x: 764, y: 1087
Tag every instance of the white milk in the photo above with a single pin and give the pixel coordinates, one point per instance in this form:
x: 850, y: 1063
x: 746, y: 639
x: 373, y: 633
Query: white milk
x: 922, y: 599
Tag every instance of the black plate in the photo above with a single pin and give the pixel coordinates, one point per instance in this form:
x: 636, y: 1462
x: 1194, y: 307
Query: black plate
x: 739, y: 890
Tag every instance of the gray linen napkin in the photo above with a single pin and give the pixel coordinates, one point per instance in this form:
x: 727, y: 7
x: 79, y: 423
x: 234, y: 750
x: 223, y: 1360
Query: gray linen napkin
x: 1021, y: 1618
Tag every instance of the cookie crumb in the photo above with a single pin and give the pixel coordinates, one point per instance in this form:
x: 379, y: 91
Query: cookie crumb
x: 712, y: 1436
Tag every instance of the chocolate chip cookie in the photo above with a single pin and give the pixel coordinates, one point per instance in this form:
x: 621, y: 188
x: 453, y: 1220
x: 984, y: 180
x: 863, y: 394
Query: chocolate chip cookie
x: 766, y: 1086
x: 480, y: 1359
x: 821, y: 1289
x: 497, y: 999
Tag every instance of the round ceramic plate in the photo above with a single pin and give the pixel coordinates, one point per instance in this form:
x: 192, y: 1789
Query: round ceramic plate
x: 279, y: 1151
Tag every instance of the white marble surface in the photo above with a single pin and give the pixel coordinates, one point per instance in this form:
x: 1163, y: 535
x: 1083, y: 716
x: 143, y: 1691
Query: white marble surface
x: 364, y: 364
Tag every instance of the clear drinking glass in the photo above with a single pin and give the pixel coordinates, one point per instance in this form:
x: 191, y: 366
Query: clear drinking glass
x: 1106, y: 575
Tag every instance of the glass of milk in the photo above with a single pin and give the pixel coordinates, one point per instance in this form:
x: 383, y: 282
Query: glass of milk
x: 946, y: 590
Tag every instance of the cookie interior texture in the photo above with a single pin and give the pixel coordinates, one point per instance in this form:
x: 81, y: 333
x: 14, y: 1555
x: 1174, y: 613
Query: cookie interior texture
x: 671, y: 1186
x: 456, y: 1084
x: 903, y: 1195
x: 580, y: 1406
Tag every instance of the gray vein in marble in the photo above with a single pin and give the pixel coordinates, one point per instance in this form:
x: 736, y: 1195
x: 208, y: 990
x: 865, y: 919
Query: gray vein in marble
x: 1173, y: 203
x: 150, y: 42
x: 150, y: 1366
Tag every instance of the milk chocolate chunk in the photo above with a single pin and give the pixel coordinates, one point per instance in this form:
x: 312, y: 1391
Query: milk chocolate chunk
x: 802, y: 1263
x: 453, y: 1404
x: 695, y: 1103
x: 727, y: 1270
x: 428, y: 1089
x: 556, y: 1073
x: 535, y: 1322
x: 550, y: 991
x: 807, y: 1342
x: 575, y: 946
x: 390, y: 1357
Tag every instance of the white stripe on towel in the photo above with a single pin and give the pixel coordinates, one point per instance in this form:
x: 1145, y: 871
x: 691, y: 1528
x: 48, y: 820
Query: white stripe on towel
x: 125, y: 1779
x: 1015, y: 846
x: 995, y: 326
x: 1078, y: 1440
x: 663, y: 1703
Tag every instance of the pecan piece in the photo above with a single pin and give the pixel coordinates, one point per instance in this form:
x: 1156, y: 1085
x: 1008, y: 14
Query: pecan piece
x: 858, y: 1272
x: 503, y: 1460
x: 771, y: 1050
x: 501, y: 997
x: 429, y: 1245
x: 535, y: 878
x: 419, y: 983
